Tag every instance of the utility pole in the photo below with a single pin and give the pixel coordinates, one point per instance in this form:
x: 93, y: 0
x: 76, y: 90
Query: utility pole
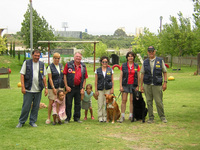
x: 31, y: 28
x: 161, y: 23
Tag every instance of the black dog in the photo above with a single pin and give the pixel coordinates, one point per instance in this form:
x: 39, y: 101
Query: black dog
x: 139, y: 107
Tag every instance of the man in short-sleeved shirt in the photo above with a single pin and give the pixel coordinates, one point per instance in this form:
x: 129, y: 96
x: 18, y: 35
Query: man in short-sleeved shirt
x: 152, y: 73
x: 75, y: 75
x: 33, y: 80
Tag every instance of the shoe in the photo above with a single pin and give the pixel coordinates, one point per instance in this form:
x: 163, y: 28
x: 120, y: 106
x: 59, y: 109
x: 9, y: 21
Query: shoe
x: 33, y: 124
x: 54, y: 123
x: 121, y: 119
x: 92, y: 117
x: 130, y: 118
x: 48, y: 121
x: 59, y: 122
x: 150, y: 121
x: 66, y: 121
x: 19, y: 125
x: 85, y: 118
x: 164, y: 120
x: 78, y: 121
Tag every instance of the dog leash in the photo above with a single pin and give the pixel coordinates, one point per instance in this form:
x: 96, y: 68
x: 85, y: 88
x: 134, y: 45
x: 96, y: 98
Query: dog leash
x: 118, y: 95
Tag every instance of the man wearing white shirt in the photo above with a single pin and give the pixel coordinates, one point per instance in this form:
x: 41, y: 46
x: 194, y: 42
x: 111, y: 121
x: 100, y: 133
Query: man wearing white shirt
x: 33, y: 80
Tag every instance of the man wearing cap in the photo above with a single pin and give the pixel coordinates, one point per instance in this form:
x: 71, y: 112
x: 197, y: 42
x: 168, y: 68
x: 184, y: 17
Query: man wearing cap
x: 152, y: 73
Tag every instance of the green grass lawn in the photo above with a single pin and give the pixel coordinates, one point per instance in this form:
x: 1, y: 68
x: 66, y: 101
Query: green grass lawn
x: 182, y: 109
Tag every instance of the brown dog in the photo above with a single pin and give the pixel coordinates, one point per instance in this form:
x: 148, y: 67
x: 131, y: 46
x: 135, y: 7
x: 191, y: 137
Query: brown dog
x: 112, y: 108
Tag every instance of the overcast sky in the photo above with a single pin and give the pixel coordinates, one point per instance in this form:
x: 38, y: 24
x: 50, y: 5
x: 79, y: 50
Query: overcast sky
x: 97, y: 16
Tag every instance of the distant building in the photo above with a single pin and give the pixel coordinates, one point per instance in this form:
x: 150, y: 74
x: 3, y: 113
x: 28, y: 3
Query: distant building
x: 139, y: 31
x: 1, y: 30
x: 72, y: 34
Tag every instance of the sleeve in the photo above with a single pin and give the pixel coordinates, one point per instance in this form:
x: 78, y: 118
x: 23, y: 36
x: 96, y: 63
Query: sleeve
x: 164, y: 69
x: 65, y: 69
x: 138, y: 68
x: 45, y: 71
x: 142, y: 69
x: 23, y: 69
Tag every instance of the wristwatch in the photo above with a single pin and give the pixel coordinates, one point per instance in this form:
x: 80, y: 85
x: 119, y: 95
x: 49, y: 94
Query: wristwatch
x: 165, y: 81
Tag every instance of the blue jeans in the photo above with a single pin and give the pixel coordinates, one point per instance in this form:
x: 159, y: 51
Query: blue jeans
x: 28, y: 98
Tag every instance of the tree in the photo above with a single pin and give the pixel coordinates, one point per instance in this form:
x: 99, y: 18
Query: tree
x: 141, y: 43
x: 176, y: 38
x: 41, y: 30
x: 89, y: 49
x: 196, y: 30
x: 120, y: 32
x: 2, y: 45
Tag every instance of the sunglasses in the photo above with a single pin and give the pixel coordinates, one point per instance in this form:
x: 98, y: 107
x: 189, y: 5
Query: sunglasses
x: 104, y: 62
x: 150, y: 51
x: 57, y: 58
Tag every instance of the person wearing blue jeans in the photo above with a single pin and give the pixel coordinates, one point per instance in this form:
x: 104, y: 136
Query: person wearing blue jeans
x: 33, y: 81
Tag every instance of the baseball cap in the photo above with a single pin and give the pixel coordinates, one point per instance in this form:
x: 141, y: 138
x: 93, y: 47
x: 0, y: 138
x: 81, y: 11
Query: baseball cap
x: 151, y: 49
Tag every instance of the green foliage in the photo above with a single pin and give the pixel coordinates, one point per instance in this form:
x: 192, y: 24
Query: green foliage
x: 2, y: 45
x: 24, y: 55
x: 141, y: 43
x: 13, y: 49
x: 18, y: 53
x: 176, y: 38
x: 120, y: 32
x: 41, y: 30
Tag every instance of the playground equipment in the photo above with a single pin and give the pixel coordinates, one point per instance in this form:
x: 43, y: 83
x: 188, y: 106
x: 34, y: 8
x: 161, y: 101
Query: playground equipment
x: 5, y: 81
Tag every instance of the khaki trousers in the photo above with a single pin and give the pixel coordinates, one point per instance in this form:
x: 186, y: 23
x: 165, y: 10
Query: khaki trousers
x: 156, y: 93
x: 102, y: 114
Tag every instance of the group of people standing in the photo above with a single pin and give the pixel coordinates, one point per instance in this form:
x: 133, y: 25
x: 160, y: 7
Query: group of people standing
x: 69, y: 82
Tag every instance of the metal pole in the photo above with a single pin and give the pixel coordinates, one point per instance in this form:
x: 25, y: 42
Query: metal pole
x: 94, y: 54
x: 31, y: 28
x: 160, y: 24
x: 48, y: 53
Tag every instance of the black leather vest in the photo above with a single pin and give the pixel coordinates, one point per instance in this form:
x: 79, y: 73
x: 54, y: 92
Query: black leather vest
x: 126, y: 74
x: 156, y: 78
x: 104, y: 83
x: 71, y: 75
x: 58, y: 80
x: 28, y: 77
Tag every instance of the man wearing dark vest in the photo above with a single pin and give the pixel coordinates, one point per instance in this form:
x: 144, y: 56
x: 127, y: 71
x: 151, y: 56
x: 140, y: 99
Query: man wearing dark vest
x: 152, y: 73
x: 75, y: 74
x: 33, y: 81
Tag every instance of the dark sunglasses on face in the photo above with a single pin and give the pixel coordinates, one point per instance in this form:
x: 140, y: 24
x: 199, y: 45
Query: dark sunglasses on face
x: 57, y: 58
x: 150, y: 51
x: 104, y: 62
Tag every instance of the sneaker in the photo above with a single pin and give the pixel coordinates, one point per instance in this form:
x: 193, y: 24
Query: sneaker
x: 78, y: 121
x: 150, y: 121
x: 19, y: 125
x: 130, y: 118
x: 85, y: 118
x: 54, y: 123
x: 66, y: 122
x: 121, y: 119
x: 92, y: 117
x: 33, y: 124
x: 48, y: 121
x: 164, y: 120
x: 59, y: 122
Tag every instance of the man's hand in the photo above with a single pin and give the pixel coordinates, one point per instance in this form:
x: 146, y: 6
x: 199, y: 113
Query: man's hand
x: 23, y: 90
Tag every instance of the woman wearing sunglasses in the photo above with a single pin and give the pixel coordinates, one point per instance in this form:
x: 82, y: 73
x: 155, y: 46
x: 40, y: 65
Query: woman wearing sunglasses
x: 104, y: 84
x: 129, y: 82
x: 55, y: 82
